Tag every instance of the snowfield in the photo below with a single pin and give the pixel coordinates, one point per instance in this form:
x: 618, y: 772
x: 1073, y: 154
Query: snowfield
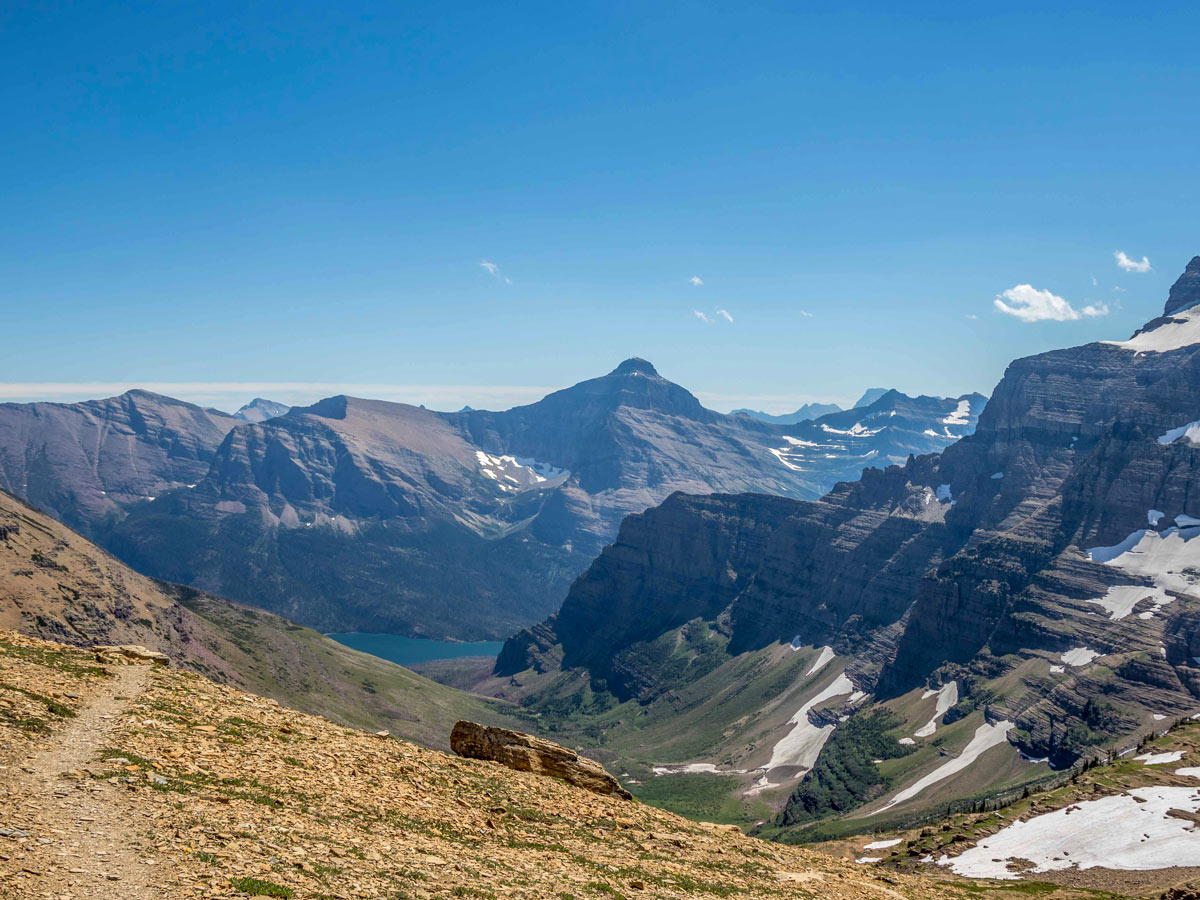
x: 961, y: 415
x: 1159, y: 759
x: 1131, y: 831
x: 1169, y: 559
x: 514, y: 473
x: 821, y: 661
x: 802, y: 745
x: 986, y: 737
x: 1190, y: 432
x: 946, y: 698
x: 1183, y: 331
x: 883, y: 845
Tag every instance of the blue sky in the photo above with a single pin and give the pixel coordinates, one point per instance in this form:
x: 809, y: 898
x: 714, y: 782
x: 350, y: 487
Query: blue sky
x: 220, y: 201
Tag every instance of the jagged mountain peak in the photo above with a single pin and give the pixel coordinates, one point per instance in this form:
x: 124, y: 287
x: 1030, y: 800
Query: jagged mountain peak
x: 635, y: 365
x: 870, y: 395
x: 1185, y: 292
x: 260, y: 409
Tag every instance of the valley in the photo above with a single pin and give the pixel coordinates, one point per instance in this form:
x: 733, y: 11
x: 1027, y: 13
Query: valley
x: 939, y: 633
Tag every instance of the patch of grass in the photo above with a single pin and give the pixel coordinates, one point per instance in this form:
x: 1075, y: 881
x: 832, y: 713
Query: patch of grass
x: 53, y: 706
x: 256, y: 887
x: 703, y: 796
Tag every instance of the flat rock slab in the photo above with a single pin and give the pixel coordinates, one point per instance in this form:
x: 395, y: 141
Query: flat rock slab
x: 526, y: 753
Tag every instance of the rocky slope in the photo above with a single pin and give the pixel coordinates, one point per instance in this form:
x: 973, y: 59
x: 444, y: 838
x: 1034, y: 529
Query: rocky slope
x: 55, y: 584
x: 1033, y: 587
x: 191, y: 788
x: 366, y: 515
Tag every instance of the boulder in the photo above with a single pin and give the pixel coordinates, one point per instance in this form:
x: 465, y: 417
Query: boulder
x: 135, y: 653
x: 526, y: 753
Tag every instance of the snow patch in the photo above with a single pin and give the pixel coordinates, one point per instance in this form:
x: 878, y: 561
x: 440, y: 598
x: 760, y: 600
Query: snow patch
x: 821, y: 662
x: 512, y: 473
x: 947, y: 696
x: 868, y: 859
x: 1190, y: 431
x: 1130, y: 831
x: 883, y: 845
x: 1189, y: 772
x: 1120, y: 600
x: 1181, y: 331
x: 996, y: 476
x: 1160, y: 759
x: 1080, y: 656
x: 1153, y: 516
x: 802, y: 745
x: 986, y: 737
x: 687, y: 769
x: 857, y: 430
x: 1169, y: 559
x: 778, y: 454
x: 961, y: 415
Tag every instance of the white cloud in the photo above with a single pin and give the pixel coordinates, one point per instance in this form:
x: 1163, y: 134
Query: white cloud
x: 805, y: 313
x: 972, y: 316
x: 494, y: 271
x: 1131, y: 265
x: 695, y: 281
x: 717, y: 315
x: 1029, y: 304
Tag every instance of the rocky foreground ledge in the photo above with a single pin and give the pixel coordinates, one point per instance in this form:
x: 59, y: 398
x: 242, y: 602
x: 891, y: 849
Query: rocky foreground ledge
x: 192, y: 789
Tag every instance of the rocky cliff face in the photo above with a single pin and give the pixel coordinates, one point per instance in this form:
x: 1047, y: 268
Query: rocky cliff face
x: 357, y: 514
x: 1044, y: 562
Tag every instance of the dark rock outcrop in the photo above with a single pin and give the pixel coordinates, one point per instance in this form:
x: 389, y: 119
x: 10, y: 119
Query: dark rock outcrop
x: 526, y: 753
x: 1185, y: 293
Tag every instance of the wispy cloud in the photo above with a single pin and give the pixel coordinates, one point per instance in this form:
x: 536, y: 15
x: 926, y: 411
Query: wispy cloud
x: 717, y: 315
x: 1131, y: 265
x: 494, y: 271
x: 805, y: 313
x: 695, y: 281
x: 972, y: 316
x: 1028, y: 304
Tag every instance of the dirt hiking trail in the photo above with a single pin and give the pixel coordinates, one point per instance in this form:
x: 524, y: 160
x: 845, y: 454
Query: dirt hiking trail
x: 68, y: 837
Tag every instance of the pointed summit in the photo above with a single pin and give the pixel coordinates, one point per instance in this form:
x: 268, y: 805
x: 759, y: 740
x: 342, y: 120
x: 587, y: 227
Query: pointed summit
x: 635, y: 365
x: 1185, y: 293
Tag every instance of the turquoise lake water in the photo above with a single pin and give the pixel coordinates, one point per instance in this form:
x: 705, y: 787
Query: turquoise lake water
x: 407, y: 650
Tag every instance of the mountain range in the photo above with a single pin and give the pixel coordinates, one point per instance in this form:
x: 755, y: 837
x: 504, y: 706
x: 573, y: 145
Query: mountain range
x: 356, y: 514
x: 943, y: 629
x: 810, y: 411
